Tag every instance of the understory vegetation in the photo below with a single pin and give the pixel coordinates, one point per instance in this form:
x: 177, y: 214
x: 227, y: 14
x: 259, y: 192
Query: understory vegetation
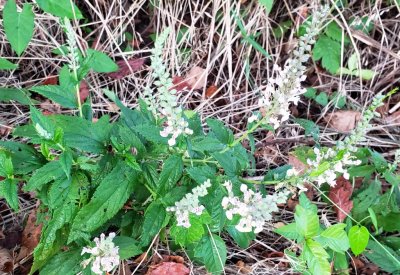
x: 224, y: 137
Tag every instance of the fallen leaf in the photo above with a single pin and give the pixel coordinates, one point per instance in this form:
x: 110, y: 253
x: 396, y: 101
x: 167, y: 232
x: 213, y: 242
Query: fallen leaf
x: 126, y: 68
x: 212, y: 90
x: 141, y: 258
x: 6, y: 261
x: 11, y: 237
x: 197, y: 77
x: 48, y: 107
x: 51, y: 80
x: 30, y: 236
x: 340, y: 194
x: 343, y: 120
x: 243, y: 268
x: 83, y: 91
x: 180, y: 84
x: 393, y: 118
x: 168, y: 268
x: 297, y: 164
x: 5, y: 130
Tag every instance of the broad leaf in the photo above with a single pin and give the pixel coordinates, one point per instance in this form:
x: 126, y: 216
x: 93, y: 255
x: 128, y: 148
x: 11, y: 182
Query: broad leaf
x: 184, y: 236
x: 243, y: 239
x: 329, y: 51
x: 358, y: 237
x: 211, y: 250
x: 383, y: 256
x: 61, y: 8
x: 170, y: 174
x: 317, y: 258
x: 100, y: 62
x: 107, y: 200
x: 289, y: 231
x: 65, y: 263
x: 18, y: 25
x: 127, y: 247
x: 57, y: 94
x: 15, y: 94
x: 267, y: 4
x: 335, y: 238
x: 7, y: 65
x: 307, y: 222
x: 49, y: 172
x: 155, y: 219
x: 8, y: 190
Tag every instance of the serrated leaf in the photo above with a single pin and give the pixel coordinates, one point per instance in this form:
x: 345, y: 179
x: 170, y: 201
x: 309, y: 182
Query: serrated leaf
x: 184, y: 236
x: 322, y: 99
x: 358, y: 237
x: 383, y: 256
x: 42, y: 124
x: 14, y: 94
x: 57, y: 94
x: 18, y: 25
x: 7, y: 65
x: 66, y: 263
x: 170, y: 174
x: 311, y: 129
x: 328, y: 51
x: 6, y: 165
x: 211, y: 250
x: 107, y: 200
x: 60, y: 8
x: 243, y: 239
x: 307, y: 222
x: 335, y: 238
x: 220, y: 131
x: 127, y: 247
x: 310, y: 93
x: 66, y: 160
x: 9, y: 191
x: 49, y: 172
x: 155, y: 218
x: 334, y: 31
x: 207, y: 144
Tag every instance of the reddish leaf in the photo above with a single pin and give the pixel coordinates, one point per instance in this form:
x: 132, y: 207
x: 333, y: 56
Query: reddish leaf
x: 30, y: 235
x: 168, y: 268
x: 211, y: 91
x: 340, y: 195
x: 180, y: 84
x: 127, y: 68
x: 197, y: 77
x: 83, y: 91
x: 6, y: 261
x: 51, y: 80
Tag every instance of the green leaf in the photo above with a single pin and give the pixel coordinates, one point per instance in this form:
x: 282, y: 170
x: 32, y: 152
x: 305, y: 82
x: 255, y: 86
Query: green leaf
x: 352, y: 63
x: 43, y: 126
x: 383, y: 256
x: 15, y: 94
x: 60, y: 8
x: 184, y: 236
x: 322, y: 99
x: 243, y: 239
x: 211, y: 250
x: 18, y: 25
x: 335, y: 238
x: 358, y: 237
x: 7, y: 65
x: 338, y: 99
x: 155, y: 218
x: 373, y: 218
x: 289, y: 231
x: 267, y: 4
x: 329, y: 51
x: 9, y: 191
x: 66, y: 160
x: 311, y: 129
x: 128, y: 247
x: 207, y: 144
x: 307, y: 222
x: 66, y: 263
x: 107, y: 200
x: 6, y: 165
x: 334, y: 31
x: 310, y: 93
x: 170, y: 174
x: 49, y: 172
x: 57, y: 94
x: 317, y: 258
x: 100, y: 62
x: 307, y: 204
x: 228, y: 162
x: 220, y: 131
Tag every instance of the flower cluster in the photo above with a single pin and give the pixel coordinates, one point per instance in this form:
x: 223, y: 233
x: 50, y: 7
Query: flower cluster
x: 286, y: 87
x: 254, y: 209
x: 338, y: 166
x: 73, y: 52
x: 104, y: 255
x: 190, y: 204
x: 166, y: 101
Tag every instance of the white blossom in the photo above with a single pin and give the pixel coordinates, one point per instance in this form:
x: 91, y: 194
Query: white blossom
x: 252, y: 118
x: 190, y: 204
x: 104, y: 256
x: 254, y: 209
x: 166, y: 101
x: 286, y: 87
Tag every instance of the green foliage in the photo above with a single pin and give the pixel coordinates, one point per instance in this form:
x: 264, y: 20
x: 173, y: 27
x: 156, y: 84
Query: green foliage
x: 7, y: 65
x: 358, y: 236
x: 328, y: 51
x: 61, y: 8
x: 211, y: 251
x: 267, y: 4
x: 18, y: 25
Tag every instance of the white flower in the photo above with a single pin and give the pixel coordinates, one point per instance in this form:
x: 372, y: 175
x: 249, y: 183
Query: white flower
x: 252, y: 118
x: 254, y: 209
x: 190, y: 204
x: 104, y: 255
x: 292, y: 172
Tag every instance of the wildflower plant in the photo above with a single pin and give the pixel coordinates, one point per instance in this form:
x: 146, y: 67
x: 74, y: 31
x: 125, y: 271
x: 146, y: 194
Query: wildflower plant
x: 156, y: 174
